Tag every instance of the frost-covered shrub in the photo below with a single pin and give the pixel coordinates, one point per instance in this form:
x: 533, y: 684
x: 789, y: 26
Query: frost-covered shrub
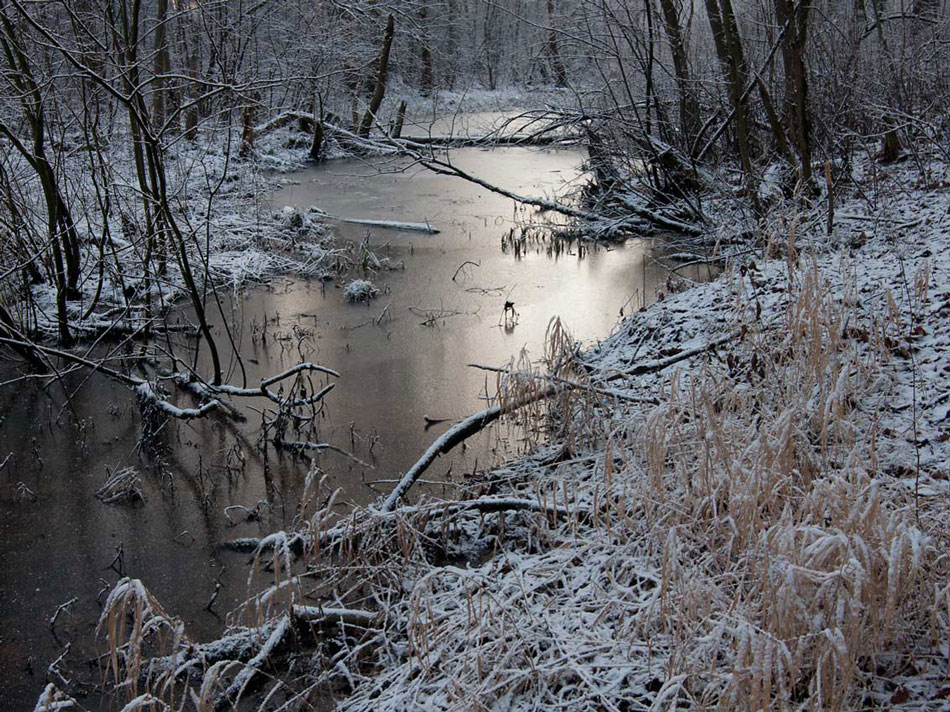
x: 291, y: 217
x: 360, y: 290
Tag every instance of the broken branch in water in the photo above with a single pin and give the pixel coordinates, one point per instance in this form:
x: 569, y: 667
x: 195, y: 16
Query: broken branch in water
x: 305, y: 446
x: 59, y: 609
x: 476, y: 423
x: 434, y: 421
x: 430, y: 317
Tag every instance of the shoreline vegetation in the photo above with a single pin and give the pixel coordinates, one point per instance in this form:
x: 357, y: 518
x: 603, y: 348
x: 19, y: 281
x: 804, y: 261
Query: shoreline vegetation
x: 738, y: 496
x: 736, y: 501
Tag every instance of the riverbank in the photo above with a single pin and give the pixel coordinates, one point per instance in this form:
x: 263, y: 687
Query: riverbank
x: 760, y: 526
x: 401, y: 361
x: 757, y: 525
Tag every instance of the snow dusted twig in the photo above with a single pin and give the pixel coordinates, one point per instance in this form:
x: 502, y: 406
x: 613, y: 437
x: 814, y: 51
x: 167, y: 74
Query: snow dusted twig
x: 203, y: 390
x: 145, y: 702
x: 59, y: 609
x: 22, y: 493
x: 122, y: 485
x: 52, y: 699
x: 53, y: 668
x: 147, y: 395
x: 298, y: 368
x: 236, y: 689
x: 324, y: 617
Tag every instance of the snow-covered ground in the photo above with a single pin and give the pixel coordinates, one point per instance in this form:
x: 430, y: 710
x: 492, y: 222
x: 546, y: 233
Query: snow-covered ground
x: 230, y: 230
x: 763, y: 525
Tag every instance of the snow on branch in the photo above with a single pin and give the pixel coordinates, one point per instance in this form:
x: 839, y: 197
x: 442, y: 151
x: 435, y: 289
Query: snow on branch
x: 52, y: 699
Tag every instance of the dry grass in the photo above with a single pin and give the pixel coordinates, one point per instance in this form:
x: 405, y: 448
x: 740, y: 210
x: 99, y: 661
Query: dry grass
x: 749, y: 549
x: 747, y: 544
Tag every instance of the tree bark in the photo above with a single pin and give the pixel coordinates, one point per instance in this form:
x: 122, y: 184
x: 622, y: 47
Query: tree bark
x: 316, y: 147
x: 725, y: 33
x: 688, y: 107
x: 796, y: 77
x: 380, y: 91
x: 425, y: 54
x: 162, y: 65
x: 554, y: 52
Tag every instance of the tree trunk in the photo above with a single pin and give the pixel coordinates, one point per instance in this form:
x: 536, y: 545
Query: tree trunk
x: 247, y: 129
x: 796, y: 77
x: 688, y: 107
x: 162, y: 65
x: 781, y: 142
x: 316, y: 148
x: 191, y: 111
x: 380, y: 91
x: 725, y: 33
x: 554, y: 53
x: 400, y: 119
x: 425, y: 54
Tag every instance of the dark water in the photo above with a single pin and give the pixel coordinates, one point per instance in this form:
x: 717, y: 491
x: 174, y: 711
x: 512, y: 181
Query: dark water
x: 65, y: 543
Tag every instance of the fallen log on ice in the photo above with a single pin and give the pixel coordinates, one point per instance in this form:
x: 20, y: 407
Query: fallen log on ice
x: 424, y: 227
x: 636, y: 214
x: 491, y: 139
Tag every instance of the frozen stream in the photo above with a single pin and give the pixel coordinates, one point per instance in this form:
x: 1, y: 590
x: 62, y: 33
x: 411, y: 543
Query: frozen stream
x: 394, y: 371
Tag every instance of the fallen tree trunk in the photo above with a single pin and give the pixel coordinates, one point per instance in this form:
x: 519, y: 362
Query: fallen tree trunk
x: 457, y: 434
x: 423, y: 227
x: 639, y: 212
